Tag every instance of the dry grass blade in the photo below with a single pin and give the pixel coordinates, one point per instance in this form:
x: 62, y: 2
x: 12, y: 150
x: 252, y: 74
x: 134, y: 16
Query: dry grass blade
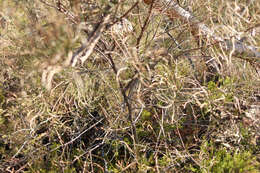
x: 174, y: 10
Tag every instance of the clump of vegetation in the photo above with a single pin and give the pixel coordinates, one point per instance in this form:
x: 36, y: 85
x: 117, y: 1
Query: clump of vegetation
x: 129, y: 86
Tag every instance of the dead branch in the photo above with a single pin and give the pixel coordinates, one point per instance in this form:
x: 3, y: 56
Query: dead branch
x: 87, y: 48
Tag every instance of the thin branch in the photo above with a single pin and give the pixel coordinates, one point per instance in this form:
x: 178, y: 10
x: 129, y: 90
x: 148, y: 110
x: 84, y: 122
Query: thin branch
x: 126, y: 100
x: 145, y: 25
x: 60, y: 7
x: 126, y: 13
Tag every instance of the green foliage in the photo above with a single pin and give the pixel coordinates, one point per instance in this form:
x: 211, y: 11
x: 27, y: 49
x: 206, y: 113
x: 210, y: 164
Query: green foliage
x: 222, y: 160
x: 146, y: 115
x: 164, y: 161
x: 2, y: 97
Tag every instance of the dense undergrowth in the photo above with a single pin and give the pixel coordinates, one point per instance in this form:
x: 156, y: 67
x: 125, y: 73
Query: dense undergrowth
x: 150, y: 98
